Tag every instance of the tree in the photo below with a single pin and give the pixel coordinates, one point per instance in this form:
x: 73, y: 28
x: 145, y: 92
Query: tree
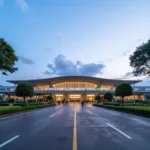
x: 140, y: 60
x: 147, y: 96
x: 24, y: 90
x: 49, y: 97
x: 97, y: 98
x: 1, y: 98
x: 7, y: 58
x: 108, y: 96
x: 122, y: 90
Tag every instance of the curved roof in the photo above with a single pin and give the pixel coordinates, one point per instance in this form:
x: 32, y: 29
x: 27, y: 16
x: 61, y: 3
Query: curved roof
x: 55, y: 80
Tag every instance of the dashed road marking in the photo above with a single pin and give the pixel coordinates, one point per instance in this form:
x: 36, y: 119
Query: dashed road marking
x: 52, y: 115
x: 58, y: 112
x: 124, y: 134
x: 10, y: 140
x: 89, y: 112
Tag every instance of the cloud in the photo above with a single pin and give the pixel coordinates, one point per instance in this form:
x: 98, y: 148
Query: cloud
x: 23, y: 5
x: 63, y: 67
x: 47, y: 73
x: 128, y: 74
x: 125, y: 53
x: 26, y: 60
x: 38, y: 77
x: 60, y: 38
x: 78, y: 63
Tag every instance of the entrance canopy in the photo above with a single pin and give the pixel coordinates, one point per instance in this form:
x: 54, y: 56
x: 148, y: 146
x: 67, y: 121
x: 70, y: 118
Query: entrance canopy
x: 55, y: 80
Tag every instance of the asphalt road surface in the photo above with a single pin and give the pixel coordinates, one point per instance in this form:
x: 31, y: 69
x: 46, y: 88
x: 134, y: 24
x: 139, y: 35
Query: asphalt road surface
x: 71, y: 127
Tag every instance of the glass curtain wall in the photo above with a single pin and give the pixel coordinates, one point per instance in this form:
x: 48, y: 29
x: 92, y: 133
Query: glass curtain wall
x: 82, y: 85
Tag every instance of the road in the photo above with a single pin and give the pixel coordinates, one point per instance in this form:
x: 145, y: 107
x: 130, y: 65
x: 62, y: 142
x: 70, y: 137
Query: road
x: 71, y: 127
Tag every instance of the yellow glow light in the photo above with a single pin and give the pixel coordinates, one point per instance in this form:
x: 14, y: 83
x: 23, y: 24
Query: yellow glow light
x: 90, y: 95
x: 59, y: 95
x: 74, y: 95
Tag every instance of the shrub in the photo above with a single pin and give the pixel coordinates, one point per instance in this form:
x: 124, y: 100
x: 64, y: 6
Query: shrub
x: 134, y: 110
x: 4, y: 104
x: 29, y: 104
x: 18, y: 104
x: 35, y: 104
x: 147, y: 96
x: 22, y: 109
x: 108, y: 96
x: 112, y: 104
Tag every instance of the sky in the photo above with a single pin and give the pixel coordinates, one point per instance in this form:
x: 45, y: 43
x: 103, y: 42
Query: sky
x: 77, y: 37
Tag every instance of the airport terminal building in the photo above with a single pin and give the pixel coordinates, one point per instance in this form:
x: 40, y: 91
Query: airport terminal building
x: 74, y: 88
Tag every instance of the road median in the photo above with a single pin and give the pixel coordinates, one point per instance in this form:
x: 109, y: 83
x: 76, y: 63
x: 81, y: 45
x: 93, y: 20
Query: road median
x: 137, y: 110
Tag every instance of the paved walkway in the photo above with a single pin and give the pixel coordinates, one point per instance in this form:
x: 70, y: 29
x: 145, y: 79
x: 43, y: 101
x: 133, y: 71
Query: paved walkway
x: 71, y: 127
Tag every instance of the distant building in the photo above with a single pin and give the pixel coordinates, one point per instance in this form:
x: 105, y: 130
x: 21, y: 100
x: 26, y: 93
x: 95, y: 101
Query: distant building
x: 74, y: 88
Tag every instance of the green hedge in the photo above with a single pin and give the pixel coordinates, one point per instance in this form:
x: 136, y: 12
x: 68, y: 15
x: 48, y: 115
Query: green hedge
x: 4, y: 104
x: 127, y: 104
x: 29, y: 104
x: 130, y: 101
x: 35, y: 104
x: 112, y: 104
x: 18, y: 104
x: 22, y: 109
x: 142, y: 111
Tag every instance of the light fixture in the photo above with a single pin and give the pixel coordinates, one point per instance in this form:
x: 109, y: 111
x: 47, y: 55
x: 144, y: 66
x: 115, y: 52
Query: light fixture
x: 75, y: 96
x: 90, y: 95
x: 59, y: 95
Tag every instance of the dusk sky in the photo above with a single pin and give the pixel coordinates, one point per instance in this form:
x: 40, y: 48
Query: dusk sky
x: 74, y: 37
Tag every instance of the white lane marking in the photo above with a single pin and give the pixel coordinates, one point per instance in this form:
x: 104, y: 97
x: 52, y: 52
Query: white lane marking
x: 89, y: 112
x: 15, y: 115
x: 52, y: 115
x: 58, y: 112
x: 10, y: 140
x: 124, y: 134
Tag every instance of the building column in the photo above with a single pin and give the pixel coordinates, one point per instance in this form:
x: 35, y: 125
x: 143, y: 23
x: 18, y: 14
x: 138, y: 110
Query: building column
x: 36, y: 99
x: 144, y: 97
x: 14, y: 98
x: 66, y: 96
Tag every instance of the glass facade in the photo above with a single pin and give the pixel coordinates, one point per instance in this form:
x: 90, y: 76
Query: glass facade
x: 81, y: 85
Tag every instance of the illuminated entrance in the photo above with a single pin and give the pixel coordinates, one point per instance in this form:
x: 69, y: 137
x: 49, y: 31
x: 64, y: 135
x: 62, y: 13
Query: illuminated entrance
x: 74, y: 98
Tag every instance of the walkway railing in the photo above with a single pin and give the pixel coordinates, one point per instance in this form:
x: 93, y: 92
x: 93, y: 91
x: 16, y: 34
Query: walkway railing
x: 74, y: 90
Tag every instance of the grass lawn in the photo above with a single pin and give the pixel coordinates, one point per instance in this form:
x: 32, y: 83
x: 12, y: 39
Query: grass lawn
x: 138, y: 110
x: 14, y: 109
x: 8, y: 107
x: 138, y: 107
